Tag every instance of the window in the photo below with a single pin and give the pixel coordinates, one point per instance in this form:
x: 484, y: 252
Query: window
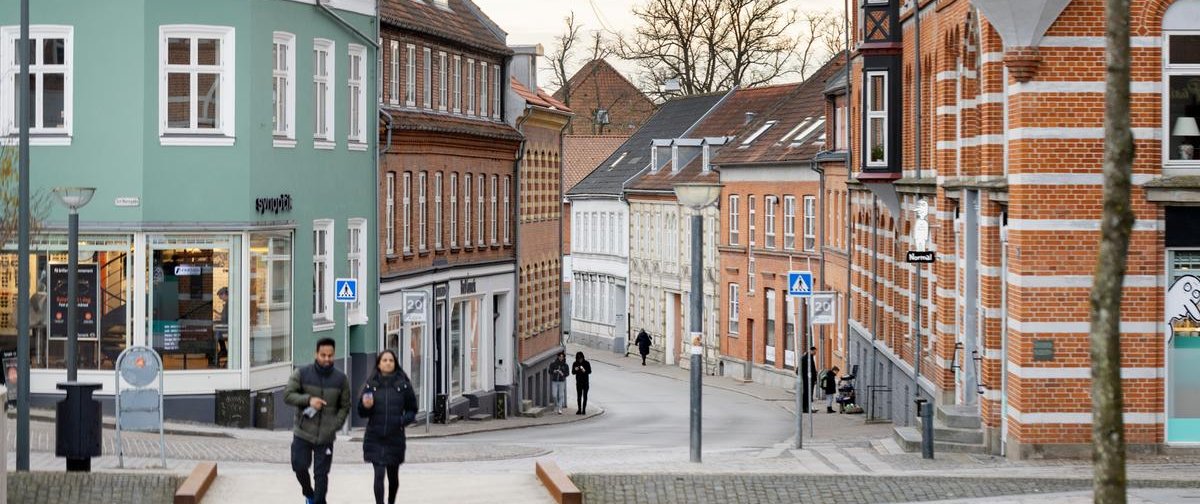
x: 407, y: 217
x: 195, y: 80
x: 390, y: 214
x: 442, y: 81
x: 457, y: 83
x: 495, y: 237
x: 507, y: 210
x: 1182, y: 96
x: 270, y: 297
x: 733, y: 308
x: 50, y: 80
x: 877, y: 119
x: 840, y: 128
x: 483, y: 88
x: 750, y: 274
x: 733, y: 219
x: 323, y: 94
x: 479, y: 240
x: 769, y: 326
x: 427, y: 93
x: 789, y: 331
x: 751, y: 212
x: 437, y: 210
x: 789, y: 222
x: 769, y: 224
x: 356, y: 246
x: 467, y: 211
x: 358, y: 97
x: 283, y: 89
x: 422, y: 214
x: 470, y: 86
x: 394, y: 67
x: 322, y: 275
x: 810, y: 223
x: 454, y: 210
x: 410, y: 75
x: 496, y: 92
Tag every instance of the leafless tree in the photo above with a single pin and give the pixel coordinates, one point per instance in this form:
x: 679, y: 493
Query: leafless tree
x: 39, y: 201
x: 1108, y: 430
x: 710, y: 45
x: 562, y: 59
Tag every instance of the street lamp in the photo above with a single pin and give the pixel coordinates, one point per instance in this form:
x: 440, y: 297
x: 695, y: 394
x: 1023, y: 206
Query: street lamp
x: 73, y: 198
x: 697, y: 196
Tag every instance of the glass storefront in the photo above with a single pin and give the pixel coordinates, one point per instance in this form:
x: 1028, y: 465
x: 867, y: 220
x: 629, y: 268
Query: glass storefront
x: 193, y: 301
x: 270, y: 298
x: 465, y: 347
x: 1183, y: 349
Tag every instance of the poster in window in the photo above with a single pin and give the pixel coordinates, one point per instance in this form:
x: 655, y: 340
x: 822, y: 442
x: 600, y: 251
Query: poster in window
x: 87, y: 282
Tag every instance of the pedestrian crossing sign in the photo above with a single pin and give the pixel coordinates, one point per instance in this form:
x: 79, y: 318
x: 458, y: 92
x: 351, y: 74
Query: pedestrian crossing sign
x: 800, y: 283
x: 345, y: 290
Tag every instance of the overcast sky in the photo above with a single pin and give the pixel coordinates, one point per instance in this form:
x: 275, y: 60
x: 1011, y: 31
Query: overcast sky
x: 540, y: 21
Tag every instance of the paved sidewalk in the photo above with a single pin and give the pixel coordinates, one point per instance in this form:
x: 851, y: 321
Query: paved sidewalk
x: 1133, y: 496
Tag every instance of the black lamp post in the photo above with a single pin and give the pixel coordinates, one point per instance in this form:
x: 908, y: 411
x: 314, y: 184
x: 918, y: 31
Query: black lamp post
x: 73, y: 198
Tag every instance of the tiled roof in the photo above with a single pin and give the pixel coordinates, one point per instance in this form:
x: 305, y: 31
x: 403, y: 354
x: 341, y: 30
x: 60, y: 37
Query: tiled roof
x: 597, y: 85
x: 410, y: 120
x: 726, y: 119
x: 582, y: 153
x: 539, y: 99
x: 793, y: 129
x: 672, y: 119
x: 464, y: 23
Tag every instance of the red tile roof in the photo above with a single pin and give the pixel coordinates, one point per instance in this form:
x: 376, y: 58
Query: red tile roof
x: 597, y: 85
x: 539, y: 99
x: 464, y: 23
x: 410, y: 120
x: 583, y: 153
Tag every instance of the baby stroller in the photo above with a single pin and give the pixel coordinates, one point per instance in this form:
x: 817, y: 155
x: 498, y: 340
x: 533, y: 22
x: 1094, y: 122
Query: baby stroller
x: 846, y: 398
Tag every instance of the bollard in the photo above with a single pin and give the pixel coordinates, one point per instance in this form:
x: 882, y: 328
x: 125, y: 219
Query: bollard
x: 925, y: 411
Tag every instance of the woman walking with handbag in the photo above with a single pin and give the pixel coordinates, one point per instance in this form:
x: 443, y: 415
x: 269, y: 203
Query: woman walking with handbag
x: 389, y: 404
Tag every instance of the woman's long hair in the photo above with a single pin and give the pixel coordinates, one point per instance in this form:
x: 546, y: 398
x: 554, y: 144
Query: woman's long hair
x: 377, y: 374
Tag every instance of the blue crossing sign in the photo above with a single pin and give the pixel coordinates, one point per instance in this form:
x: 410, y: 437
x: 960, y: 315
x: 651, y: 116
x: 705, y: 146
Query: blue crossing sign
x: 345, y: 290
x: 800, y: 283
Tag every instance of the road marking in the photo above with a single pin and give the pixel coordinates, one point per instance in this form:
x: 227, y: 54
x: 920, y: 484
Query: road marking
x: 839, y: 461
x: 868, y: 459
x: 812, y: 462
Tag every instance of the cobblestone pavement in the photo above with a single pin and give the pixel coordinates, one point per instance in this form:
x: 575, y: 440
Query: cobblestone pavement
x: 62, y: 487
x: 791, y: 488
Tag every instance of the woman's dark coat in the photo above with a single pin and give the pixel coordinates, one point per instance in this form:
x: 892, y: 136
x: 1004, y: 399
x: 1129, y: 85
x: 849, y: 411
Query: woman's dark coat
x: 395, y: 407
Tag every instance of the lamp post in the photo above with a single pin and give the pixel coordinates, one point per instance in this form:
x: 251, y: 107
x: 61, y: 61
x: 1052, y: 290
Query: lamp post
x: 73, y: 198
x: 697, y: 196
x: 23, y: 249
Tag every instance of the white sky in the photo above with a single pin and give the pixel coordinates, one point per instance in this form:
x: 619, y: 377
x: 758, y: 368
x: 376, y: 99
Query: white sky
x: 540, y: 21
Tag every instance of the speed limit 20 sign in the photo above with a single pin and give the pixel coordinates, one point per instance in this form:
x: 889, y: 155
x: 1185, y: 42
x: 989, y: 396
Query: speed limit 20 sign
x: 822, y: 308
x: 414, y: 307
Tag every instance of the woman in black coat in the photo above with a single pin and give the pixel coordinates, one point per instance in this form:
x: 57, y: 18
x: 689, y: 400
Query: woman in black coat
x: 582, y: 369
x: 388, y: 403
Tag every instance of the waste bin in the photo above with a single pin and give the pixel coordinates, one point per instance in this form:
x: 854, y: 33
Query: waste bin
x: 264, y: 409
x: 77, y: 422
x: 233, y: 408
x: 439, y: 409
x: 501, y: 411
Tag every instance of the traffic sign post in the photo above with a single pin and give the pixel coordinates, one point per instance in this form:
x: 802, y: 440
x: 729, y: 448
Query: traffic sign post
x: 345, y: 291
x: 800, y: 284
x: 415, y: 311
x: 822, y: 308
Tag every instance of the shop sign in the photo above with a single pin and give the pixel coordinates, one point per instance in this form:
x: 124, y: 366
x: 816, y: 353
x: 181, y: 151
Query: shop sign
x: 188, y: 270
x: 275, y: 204
x: 87, y: 283
x: 128, y: 201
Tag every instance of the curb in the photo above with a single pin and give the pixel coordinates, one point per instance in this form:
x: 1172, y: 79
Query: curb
x: 110, y: 423
x: 422, y: 435
x: 196, y: 485
x: 561, y: 488
x: 706, y: 384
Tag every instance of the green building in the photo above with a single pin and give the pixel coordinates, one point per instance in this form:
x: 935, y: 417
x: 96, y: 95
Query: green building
x: 232, y: 146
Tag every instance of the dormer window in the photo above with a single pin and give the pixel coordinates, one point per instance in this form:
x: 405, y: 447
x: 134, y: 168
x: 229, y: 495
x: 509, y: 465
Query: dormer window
x: 750, y: 139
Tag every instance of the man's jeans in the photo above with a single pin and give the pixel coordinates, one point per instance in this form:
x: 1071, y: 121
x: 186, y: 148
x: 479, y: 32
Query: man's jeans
x: 558, y: 391
x: 321, y: 458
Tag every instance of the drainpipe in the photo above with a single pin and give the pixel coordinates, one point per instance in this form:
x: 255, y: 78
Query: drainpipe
x: 917, y: 152
x: 388, y: 147
x: 517, y: 365
x: 373, y: 42
x: 821, y: 244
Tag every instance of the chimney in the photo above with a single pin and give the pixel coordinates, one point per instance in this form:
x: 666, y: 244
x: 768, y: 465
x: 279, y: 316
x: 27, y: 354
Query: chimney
x: 750, y: 117
x: 524, y: 64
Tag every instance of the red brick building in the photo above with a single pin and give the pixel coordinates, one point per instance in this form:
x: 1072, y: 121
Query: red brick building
x: 447, y: 204
x: 605, y: 102
x: 1009, y: 130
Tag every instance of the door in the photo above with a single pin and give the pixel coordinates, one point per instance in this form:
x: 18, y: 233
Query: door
x: 672, y: 335
x: 502, y: 340
x: 967, y: 382
x: 1003, y: 335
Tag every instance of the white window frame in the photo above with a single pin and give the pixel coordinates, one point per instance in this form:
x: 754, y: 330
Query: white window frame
x: 356, y: 261
x: 734, y: 229
x: 1175, y: 70
x: 39, y: 134
x: 492, y: 221
x: 841, y: 129
x: 769, y: 221
x: 454, y: 210
x: 357, y: 95
x: 479, y: 200
x: 751, y: 271
x: 437, y: 210
x: 810, y: 223
x: 470, y: 86
x: 394, y: 72
x: 733, y: 308
x: 406, y: 202
x: 768, y: 325
x: 883, y: 114
x: 467, y: 228
x: 443, y: 81
x: 789, y: 222
x: 390, y: 214
x: 483, y: 89
x: 323, y: 308
x: 507, y: 209
x: 751, y: 213
x: 422, y: 212
x: 427, y: 93
x: 223, y: 134
x: 496, y: 83
x: 457, y: 76
x: 323, y: 95
x: 284, y: 78
x: 410, y: 75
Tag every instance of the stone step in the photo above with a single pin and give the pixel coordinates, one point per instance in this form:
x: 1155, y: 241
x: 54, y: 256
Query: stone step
x: 909, y: 438
x: 479, y: 417
x: 958, y: 416
x: 534, y: 412
x: 954, y: 435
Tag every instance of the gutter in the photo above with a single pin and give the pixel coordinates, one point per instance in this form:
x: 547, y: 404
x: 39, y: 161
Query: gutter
x: 821, y: 244
x: 518, y: 366
x: 346, y: 24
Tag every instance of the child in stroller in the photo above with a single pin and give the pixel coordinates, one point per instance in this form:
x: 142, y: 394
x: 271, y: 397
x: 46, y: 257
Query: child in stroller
x: 847, y: 399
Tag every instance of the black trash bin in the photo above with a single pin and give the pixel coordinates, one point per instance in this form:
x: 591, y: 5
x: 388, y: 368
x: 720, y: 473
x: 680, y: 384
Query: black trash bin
x: 233, y: 408
x: 264, y: 409
x: 77, y: 421
x: 439, y: 409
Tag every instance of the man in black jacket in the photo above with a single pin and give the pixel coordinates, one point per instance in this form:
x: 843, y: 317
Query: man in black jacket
x: 321, y: 395
x: 643, y: 344
x: 808, y: 372
x: 558, y: 382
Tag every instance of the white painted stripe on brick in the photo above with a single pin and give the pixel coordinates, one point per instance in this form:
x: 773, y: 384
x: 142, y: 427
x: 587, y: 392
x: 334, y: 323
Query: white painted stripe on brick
x: 992, y: 57
x: 947, y: 328
x: 1079, y: 373
x: 1147, y: 87
x: 1070, y: 178
x: 1076, y: 281
x: 993, y: 354
x: 947, y: 145
x: 943, y: 215
x: 1079, y: 418
x: 1074, y: 225
x: 989, y: 221
x: 1077, y: 133
x: 1130, y: 327
x: 966, y: 103
x: 1097, y: 42
x: 989, y: 271
x: 969, y: 74
x: 947, y: 293
x: 992, y: 395
x: 986, y: 98
x: 947, y: 75
x: 947, y: 110
x: 993, y: 313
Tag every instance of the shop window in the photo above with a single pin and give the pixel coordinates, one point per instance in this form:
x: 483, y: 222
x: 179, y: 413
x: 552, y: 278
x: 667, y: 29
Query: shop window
x: 322, y: 275
x: 356, y: 247
x: 50, y: 83
x: 733, y: 308
x: 357, y: 96
x: 195, y: 296
x: 270, y: 298
x: 323, y: 99
x: 196, y: 85
x: 283, y: 89
x: 1183, y: 346
x: 465, y: 375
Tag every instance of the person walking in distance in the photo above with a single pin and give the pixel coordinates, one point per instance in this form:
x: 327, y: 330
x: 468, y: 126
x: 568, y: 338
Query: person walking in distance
x: 321, y: 395
x: 829, y: 387
x: 558, y: 382
x: 389, y: 404
x: 643, y: 344
x: 808, y: 370
x: 581, y: 369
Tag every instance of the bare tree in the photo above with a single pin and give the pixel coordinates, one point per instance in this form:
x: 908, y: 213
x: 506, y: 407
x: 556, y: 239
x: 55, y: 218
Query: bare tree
x: 710, y: 45
x: 1108, y: 430
x: 39, y: 201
